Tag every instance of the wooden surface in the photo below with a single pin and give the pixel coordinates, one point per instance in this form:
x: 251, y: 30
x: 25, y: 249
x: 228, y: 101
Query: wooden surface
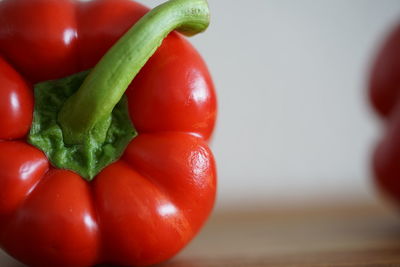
x: 346, y: 235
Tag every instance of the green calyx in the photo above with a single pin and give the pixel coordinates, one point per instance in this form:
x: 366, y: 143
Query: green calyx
x: 94, y: 153
x: 81, y: 122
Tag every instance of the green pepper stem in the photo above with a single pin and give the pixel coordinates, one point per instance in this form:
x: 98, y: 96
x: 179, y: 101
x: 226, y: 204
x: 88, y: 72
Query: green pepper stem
x: 90, y: 107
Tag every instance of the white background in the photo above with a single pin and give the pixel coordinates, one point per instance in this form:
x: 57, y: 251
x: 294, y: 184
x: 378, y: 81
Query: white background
x: 294, y: 125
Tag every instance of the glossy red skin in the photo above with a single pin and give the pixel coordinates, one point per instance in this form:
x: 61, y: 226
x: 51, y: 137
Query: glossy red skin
x: 384, y: 91
x: 141, y: 209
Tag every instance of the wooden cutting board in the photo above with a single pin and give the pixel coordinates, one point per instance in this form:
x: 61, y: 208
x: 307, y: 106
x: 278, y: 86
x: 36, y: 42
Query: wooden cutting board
x: 334, y: 235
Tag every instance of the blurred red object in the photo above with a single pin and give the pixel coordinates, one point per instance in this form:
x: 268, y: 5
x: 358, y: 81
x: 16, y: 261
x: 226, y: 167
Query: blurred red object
x: 384, y: 92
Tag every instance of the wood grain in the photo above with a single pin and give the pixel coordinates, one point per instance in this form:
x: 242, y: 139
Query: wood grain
x: 335, y: 235
x: 345, y: 235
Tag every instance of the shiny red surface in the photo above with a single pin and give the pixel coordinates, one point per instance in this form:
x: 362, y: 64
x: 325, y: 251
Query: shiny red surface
x: 16, y: 104
x: 384, y: 92
x: 141, y: 209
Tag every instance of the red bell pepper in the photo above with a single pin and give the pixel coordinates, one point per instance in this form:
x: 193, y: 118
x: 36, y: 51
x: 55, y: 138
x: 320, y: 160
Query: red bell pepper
x: 87, y: 175
x: 384, y: 91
